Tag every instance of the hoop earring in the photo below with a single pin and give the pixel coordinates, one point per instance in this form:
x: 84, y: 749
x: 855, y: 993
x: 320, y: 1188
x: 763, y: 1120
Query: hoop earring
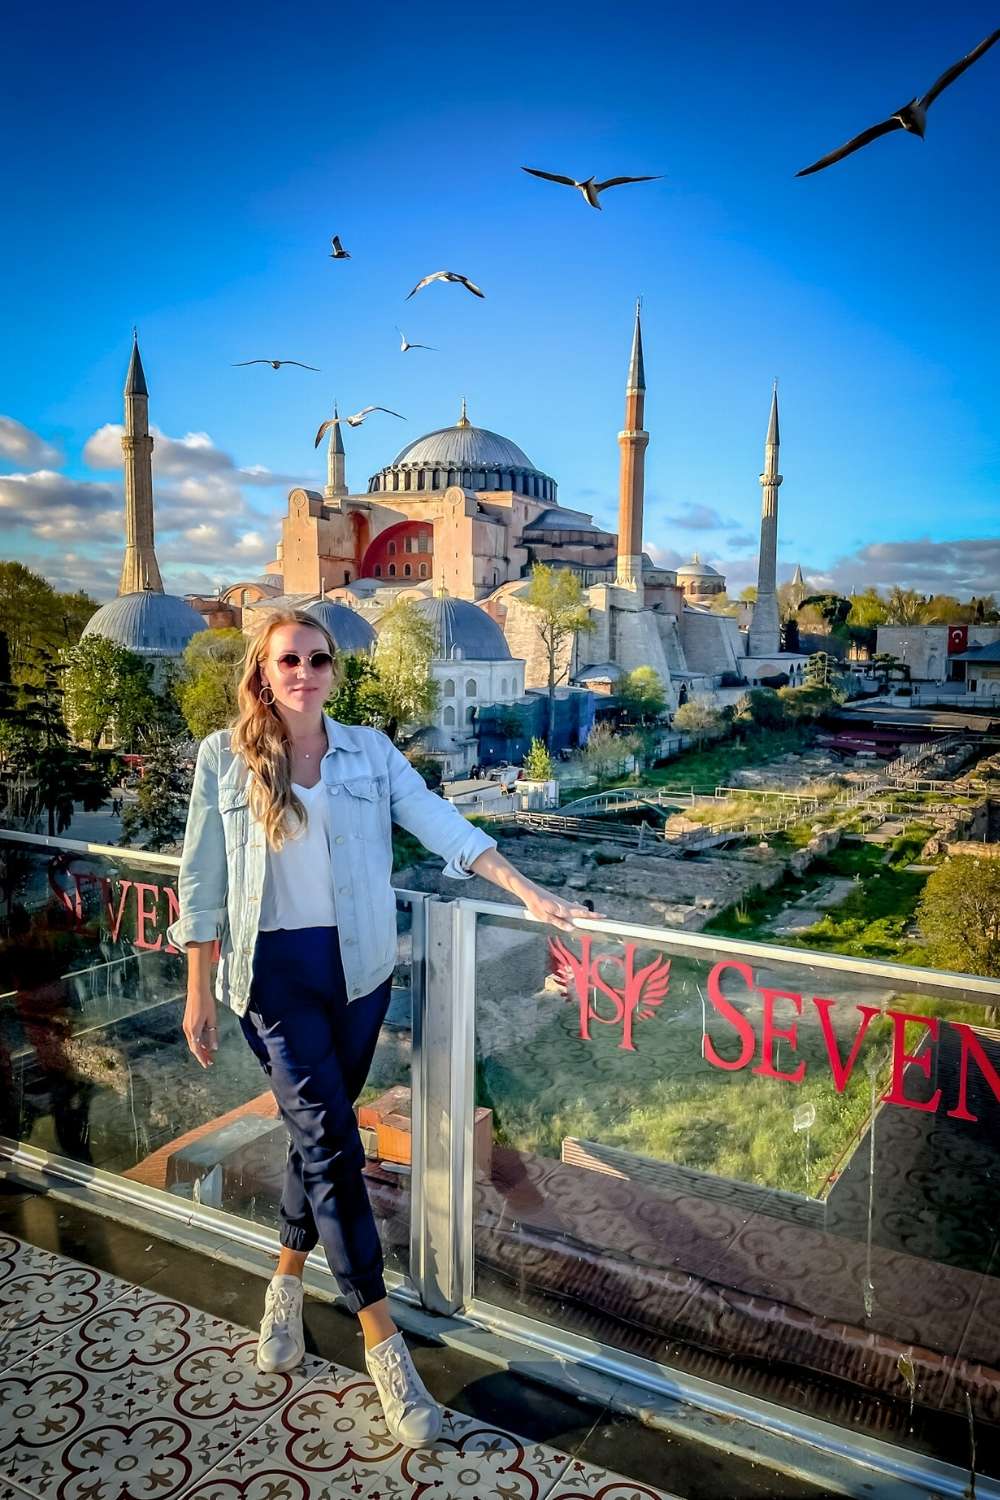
x: 266, y: 701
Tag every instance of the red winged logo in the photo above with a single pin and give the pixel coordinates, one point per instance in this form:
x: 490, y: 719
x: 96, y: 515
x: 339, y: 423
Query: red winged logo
x: 641, y: 990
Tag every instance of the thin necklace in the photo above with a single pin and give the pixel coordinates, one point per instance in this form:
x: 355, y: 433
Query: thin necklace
x: 306, y: 754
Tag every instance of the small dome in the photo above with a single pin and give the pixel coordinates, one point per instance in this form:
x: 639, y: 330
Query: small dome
x: 465, y: 632
x: 148, y: 623
x: 697, y: 569
x: 349, y: 630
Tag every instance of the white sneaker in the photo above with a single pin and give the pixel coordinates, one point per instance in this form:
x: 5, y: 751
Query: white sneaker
x: 411, y: 1413
x: 281, y: 1345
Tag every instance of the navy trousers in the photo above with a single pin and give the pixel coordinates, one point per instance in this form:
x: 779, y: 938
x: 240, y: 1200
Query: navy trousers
x: 316, y: 1051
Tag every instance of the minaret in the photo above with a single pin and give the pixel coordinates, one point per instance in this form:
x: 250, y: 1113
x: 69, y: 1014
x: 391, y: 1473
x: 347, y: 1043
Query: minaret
x: 632, y: 442
x: 765, y: 632
x: 336, y: 480
x: 139, y: 567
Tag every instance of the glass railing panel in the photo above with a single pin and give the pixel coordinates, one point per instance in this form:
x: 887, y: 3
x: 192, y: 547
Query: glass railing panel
x: 94, y: 1066
x: 747, y: 1164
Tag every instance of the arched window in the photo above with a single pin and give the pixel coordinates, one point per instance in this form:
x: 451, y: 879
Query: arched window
x: 378, y: 570
x: 470, y: 714
x: 347, y: 576
x: 449, y: 714
x: 429, y: 543
x: 449, y: 687
x: 503, y: 687
x: 421, y: 476
x: 470, y: 687
x: 391, y: 547
x: 392, y: 570
x: 423, y: 570
x: 407, y: 570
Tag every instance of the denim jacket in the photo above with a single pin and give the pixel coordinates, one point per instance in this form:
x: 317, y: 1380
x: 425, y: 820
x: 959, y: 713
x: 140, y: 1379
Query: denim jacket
x: 371, y: 785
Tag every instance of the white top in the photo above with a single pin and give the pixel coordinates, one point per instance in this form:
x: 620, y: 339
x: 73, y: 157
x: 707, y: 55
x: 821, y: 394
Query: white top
x: 298, y: 884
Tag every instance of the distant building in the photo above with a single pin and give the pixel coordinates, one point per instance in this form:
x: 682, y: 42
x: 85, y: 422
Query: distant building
x: 938, y: 654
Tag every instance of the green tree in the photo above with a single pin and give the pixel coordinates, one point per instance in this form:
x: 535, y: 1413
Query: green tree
x: 106, y: 687
x: 207, y: 679
x: 749, y: 594
x: 606, y: 753
x: 158, y: 815
x: 404, y: 691
x: 945, y: 609
x: 561, y: 614
x: 352, y: 702
x: 765, y: 709
x: 868, y: 609
x: 51, y: 774
x: 904, y: 607
x: 642, y: 695
x: 959, y: 915
x: 824, y: 613
x: 700, y: 719
x: 809, y: 701
x: 820, y: 669
x: 35, y: 618
x: 538, y: 763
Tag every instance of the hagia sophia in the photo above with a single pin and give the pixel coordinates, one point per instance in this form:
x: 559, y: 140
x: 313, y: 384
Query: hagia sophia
x: 456, y: 522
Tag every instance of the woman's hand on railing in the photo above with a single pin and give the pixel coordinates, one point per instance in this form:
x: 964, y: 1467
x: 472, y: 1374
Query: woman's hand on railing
x: 546, y: 907
x: 200, y: 1027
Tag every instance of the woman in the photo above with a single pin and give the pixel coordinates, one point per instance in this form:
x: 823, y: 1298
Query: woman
x: 287, y: 859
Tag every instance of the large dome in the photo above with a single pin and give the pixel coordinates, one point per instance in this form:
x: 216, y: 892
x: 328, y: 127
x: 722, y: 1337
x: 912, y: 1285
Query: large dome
x: 464, y: 448
x: 348, y: 629
x: 464, y: 631
x: 148, y: 623
x: 473, y: 457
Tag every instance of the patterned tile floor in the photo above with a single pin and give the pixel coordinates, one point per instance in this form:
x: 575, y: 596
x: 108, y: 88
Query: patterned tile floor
x: 112, y: 1392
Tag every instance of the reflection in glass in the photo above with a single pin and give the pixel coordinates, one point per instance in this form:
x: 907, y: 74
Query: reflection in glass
x: 93, y: 1063
x: 765, y: 1172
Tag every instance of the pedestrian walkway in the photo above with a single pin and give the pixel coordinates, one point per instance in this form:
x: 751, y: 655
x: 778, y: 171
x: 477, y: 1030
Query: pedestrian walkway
x: 113, y: 1388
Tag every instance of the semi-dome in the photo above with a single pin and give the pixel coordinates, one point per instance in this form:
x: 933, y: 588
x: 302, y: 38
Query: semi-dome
x: 473, y: 457
x: 349, y: 630
x: 148, y: 623
x: 464, y: 631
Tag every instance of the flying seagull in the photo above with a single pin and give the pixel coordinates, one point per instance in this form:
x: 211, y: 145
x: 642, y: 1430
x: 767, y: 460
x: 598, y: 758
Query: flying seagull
x: 338, y: 252
x: 404, y: 343
x: 590, y: 188
x: 275, y: 364
x: 911, y: 117
x: 446, y: 276
x: 333, y: 421
x: 359, y: 417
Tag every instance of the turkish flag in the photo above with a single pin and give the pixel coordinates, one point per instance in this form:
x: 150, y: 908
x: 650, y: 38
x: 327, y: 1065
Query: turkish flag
x: 958, y: 638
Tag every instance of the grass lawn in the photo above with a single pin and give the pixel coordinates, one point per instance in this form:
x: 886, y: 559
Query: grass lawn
x: 871, y: 923
x: 715, y: 765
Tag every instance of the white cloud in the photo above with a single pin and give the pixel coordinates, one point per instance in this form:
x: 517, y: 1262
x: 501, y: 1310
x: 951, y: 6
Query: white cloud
x: 24, y: 448
x: 968, y: 566
x: 191, y: 458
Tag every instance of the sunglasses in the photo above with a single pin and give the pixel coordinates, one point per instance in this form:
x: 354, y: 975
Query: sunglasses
x: 318, y: 660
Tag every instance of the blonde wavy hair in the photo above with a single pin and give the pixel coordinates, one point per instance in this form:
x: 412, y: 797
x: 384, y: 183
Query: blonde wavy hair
x: 259, y: 734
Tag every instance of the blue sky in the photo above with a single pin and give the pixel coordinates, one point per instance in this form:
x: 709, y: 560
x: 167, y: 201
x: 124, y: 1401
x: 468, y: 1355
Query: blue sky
x: 184, y: 168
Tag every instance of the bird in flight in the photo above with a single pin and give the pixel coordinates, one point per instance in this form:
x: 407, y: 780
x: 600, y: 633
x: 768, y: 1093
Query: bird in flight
x: 446, y: 276
x: 366, y: 411
x: 404, y: 343
x: 590, y: 188
x: 338, y: 252
x: 275, y: 364
x: 911, y: 117
x: 333, y: 421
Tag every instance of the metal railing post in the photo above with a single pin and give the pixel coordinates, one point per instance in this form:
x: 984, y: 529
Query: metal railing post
x: 441, y: 1236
